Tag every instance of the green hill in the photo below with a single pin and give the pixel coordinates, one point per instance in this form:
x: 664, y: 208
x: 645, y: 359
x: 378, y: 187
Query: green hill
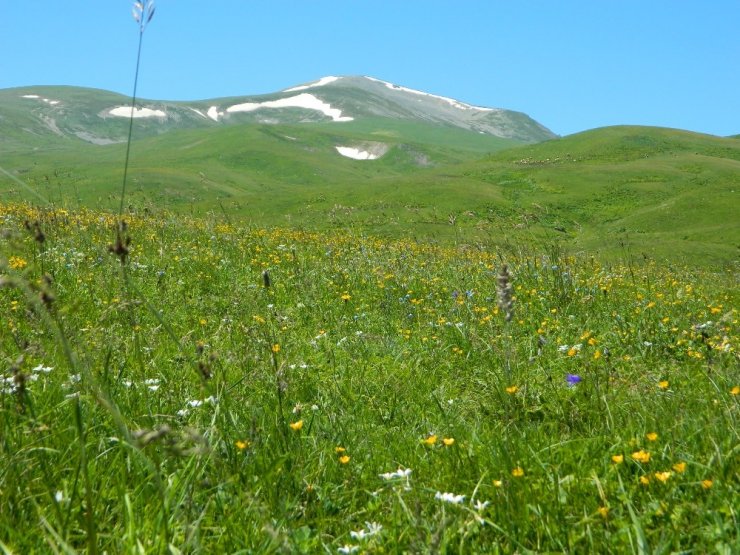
x: 618, y: 191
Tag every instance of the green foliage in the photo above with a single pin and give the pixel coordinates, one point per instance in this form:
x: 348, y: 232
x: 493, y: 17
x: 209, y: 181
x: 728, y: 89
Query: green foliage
x: 147, y: 406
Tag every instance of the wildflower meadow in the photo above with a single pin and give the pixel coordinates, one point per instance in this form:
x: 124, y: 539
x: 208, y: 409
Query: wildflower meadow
x: 193, y: 385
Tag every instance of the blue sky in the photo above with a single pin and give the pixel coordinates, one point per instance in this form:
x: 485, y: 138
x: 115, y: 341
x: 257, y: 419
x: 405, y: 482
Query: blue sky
x: 571, y: 65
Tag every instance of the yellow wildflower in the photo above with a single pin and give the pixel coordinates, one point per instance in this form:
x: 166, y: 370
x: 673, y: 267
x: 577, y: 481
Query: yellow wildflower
x: 617, y: 459
x: 680, y: 467
x: 448, y: 441
x: 735, y: 390
x: 518, y: 472
x: 339, y: 449
x: 498, y: 483
x: 431, y: 440
x: 603, y: 511
x: 663, y: 384
x: 644, y: 480
x: 276, y: 348
x: 344, y: 459
x: 296, y: 425
x: 663, y: 476
x: 641, y: 456
x: 512, y: 389
x: 651, y: 436
x: 706, y: 484
x: 17, y: 263
x: 346, y: 297
x: 241, y: 444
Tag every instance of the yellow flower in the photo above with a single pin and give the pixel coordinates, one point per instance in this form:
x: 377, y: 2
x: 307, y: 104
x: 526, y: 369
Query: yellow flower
x: 448, y: 441
x: 344, y: 459
x: 663, y: 476
x: 735, y: 390
x: 203, y: 321
x: 644, y: 480
x: 518, y: 472
x: 597, y: 354
x: 663, y: 384
x: 512, y: 389
x: 346, y: 297
x: 680, y: 467
x: 241, y: 444
x: 497, y: 483
x: 603, y: 511
x: 17, y: 263
x: 339, y: 449
x: 276, y: 348
x: 706, y: 484
x: 572, y: 352
x: 296, y: 425
x: 651, y: 436
x: 641, y: 456
x: 617, y: 459
x: 431, y: 440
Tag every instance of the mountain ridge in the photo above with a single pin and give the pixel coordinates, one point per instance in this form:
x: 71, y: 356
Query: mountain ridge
x: 101, y: 117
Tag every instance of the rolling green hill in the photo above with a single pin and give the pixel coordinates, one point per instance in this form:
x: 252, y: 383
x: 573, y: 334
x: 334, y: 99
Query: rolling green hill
x: 620, y: 191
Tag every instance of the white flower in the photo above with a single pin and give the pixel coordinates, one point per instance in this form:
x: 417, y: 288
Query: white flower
x: 450, y: 498
x: 182, y: 413
x: 154, y: 387
x: 480, y: 505
x: 151, y: 381
x: 373, y: 528
x: 358, y: 535
x: 59, y: 496
x: 195, y: 403
x: 400, y: 473
x: 43, y: 369
x: 348, y: 548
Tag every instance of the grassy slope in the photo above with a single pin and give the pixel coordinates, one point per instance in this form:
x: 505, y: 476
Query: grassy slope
x: 623, y: 190
x: 166, y: 420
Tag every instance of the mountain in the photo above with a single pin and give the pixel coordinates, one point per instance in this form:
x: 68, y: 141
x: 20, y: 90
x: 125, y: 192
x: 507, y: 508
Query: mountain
x: 49, y: 115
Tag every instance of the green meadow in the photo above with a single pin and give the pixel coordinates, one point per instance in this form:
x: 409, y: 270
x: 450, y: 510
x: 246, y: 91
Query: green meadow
x: 624, y: 192
x: 226, y: 382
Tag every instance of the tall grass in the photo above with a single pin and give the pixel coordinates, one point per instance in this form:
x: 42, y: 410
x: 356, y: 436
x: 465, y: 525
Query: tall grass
x: 364, y: 385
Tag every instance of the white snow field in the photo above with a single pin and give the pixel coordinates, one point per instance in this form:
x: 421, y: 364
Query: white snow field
x: 451, y: 101
x: 303, y: 100
x: 125, y: 112
x: 320, y: 83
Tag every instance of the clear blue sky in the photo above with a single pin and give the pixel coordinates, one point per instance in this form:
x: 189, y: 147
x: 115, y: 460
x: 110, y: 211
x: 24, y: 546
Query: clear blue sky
x: 572, y: 65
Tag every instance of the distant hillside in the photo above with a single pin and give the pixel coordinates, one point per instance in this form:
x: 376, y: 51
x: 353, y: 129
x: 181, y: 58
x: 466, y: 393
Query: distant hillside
x: 37, y: 117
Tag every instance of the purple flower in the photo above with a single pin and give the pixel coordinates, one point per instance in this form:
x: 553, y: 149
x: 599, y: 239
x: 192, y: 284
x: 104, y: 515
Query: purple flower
x: 572, y: 379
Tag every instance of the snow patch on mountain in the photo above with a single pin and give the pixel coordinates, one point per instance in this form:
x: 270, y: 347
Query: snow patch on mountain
x: 37, y: 97
x: 320, y: 83
x: 213, y: 113
x: 304, y: 100
x: 451, y: 101
x: 366, y: 151
x: 126, y: 112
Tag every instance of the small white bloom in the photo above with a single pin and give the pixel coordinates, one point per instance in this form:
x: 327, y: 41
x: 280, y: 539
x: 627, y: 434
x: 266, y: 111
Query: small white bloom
x: 450, y: 498
x: 153, y: 387
x: 42, y: 369
x: 348, y: 548
x: 480, y: 505
x: 358, y: 535
x: 373, y: 528
x: 182, y: 413
x: 195, y: 403
x: 59, y: 496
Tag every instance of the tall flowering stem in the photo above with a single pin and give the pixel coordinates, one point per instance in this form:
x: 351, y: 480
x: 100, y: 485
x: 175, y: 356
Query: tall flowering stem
x: 143, y: 12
